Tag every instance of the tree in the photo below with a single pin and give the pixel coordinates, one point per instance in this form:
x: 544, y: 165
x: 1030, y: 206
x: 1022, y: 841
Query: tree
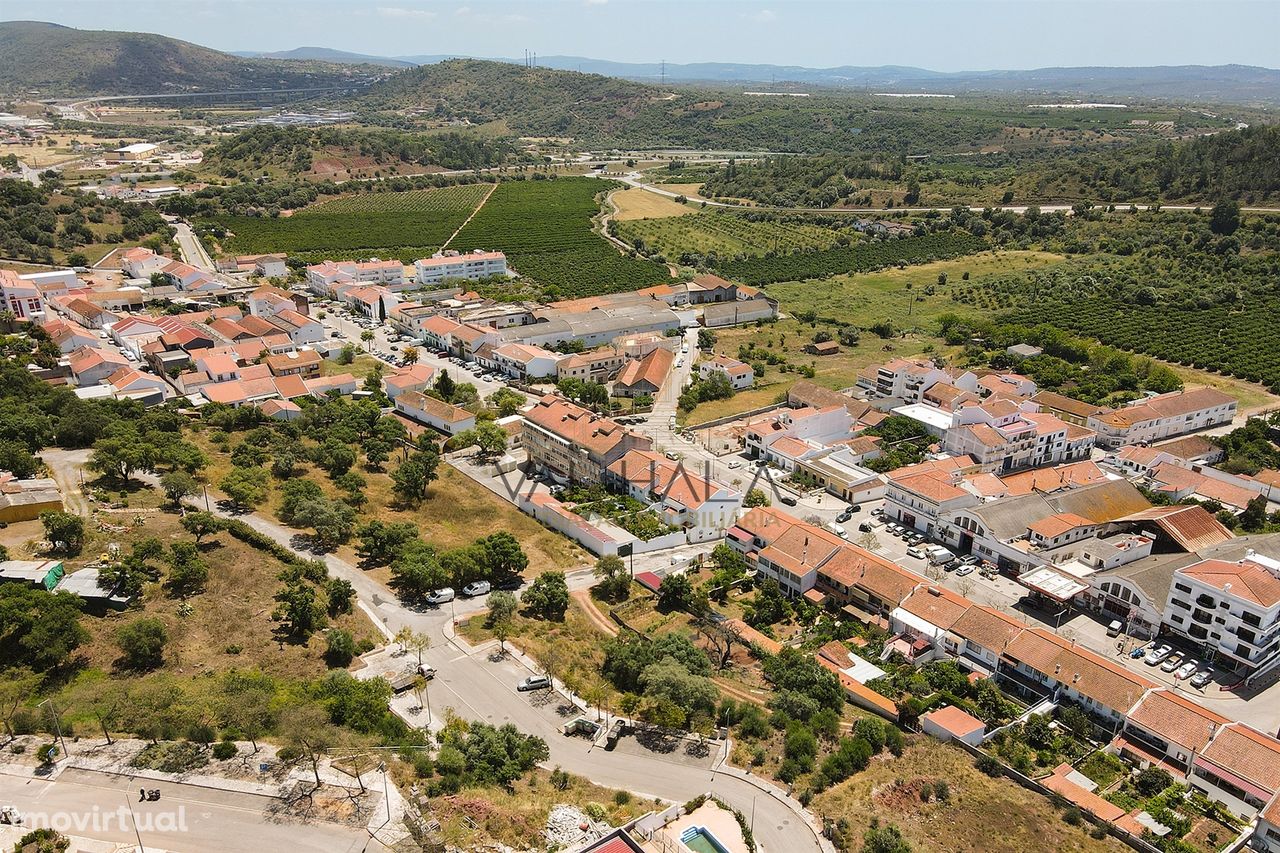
x: 17, y: 460
x: 298, y: 609
x: 418, y: 571
x: 506, y: 401
x: 1254, y: 517
x: 755, y: 498
x: 366, y: 336
x: 547, y: 597
x: 142, y: 643
x: 17, y: 686
x: 488, y: 437
x: 413, y: 476
x: 201, y: 524
x: 246, y: 488
x: 64, y: 532
x: 188, y: 573
x: 307, y: 729
x: 104, y: 699
x: 1224, y: 219
x: 884, y: 839
x: 445, y: 386
x: 502, y: 611
x: 340, y: 648
x: 410, y: 355
x: 178, y: 485
x: 335, y: 457
x: 675, y: 593
x: 248, y: 710
x: 503, y: 556
x: 615, y: 579
x: 381, y: 543
x: 118, y: 456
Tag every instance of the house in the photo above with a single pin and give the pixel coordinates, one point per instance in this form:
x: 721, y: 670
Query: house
x: 21, y: 296
x: 1178, y: 483
x: 783, y: 548
x: 437, y: 414
x: 525, y: 362
x: 1167, y: 729
x: 300, y: 328
x: 1039, y: 663
x: 24, y: 500
x: 594, y: 366
x: 1024, y: 351
x: 281, y: 410
x: 572, y: 444
x: 268, y: 266
x: 90, y: 365
x: 68, y: 335
x: 644, y: 376
x: 739, y: 374
x: 1239, y: 768
x: 141, y: 263
x: 815, y: 429
x: 950, y: 723
x: 1002, y: 435
x: 183, y: 276
x: 416, y: 377
x: 131, y: 383
x: 88, y: 314
x: 838, y: 470
x: 702, y: 508
x: 437, y: 332
x: 739, y: 311
x: 822, y: 348
x: 917, y: 496
x: 1163, y: 416
x: 304, y: 362
x: 450, y: 264
x: 1070, y: 410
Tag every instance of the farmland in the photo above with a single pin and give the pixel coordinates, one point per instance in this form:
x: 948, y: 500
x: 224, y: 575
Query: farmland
x: 545, y: 229
x: 407, y: 225
x: 799, y: 266
x: 729, y: 235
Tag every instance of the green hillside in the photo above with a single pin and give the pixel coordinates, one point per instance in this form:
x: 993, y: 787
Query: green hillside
x: 57, y: 60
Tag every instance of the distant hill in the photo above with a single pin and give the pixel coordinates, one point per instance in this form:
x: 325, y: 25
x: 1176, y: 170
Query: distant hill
x: 1213, y: 83
x: 325, y: 54
x: 57, y: 60
x: 532, y: 101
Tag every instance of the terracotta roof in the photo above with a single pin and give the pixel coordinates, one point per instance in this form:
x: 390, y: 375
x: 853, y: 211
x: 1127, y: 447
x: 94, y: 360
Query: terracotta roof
x: 988, y: 628
x: 932, y: 485
x: 937, y: 605
x: 575, y: 424
x: 954, y: 721
x: 1247, y: 753
x: 1056, y: 525
x: 1248, y: 580
x: 431, y: 406
x: 752, y: 636
x: 1090, y: 674
x: 1171, y: 405
x: 1190, y: 447
x: 863, y: 693
x: 1082, y: 797
x: 652, y: 369
x: 1174, y: 718
x: 1061, y: 403
x: 853, y: 566
x: 731, y: 366
x: 1193, y: 527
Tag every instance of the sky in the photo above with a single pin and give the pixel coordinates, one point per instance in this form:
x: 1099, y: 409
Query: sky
x: 953, y: 35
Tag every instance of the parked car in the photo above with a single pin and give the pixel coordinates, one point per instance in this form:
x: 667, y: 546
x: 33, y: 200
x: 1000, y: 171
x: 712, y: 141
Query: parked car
x: 427, y: 671
x: 1187, y: 669
x: 918, y: 553
x: 891, y: 528
x: 971, y: 559
x: 1157, y: 655
x: 441, y: 596
x: 475, y: 588
x: 734, y: 464
x: 788, y: 500
x: 511, y: 583
x: 1201, y: 679
x: 1114, y: 629
x: 961, y: 571
x: 865, y: 527
x: 844, y: 516
x: 838, y: 530
x: 1141, y: 651
x: 534, y: 682
x: 1172, y: 662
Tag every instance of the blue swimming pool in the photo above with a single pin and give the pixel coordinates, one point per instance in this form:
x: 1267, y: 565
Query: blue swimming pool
x: 699, y: 840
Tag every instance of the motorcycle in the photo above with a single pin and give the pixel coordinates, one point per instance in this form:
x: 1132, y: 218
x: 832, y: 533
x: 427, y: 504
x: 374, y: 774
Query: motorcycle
x: 149, y: 796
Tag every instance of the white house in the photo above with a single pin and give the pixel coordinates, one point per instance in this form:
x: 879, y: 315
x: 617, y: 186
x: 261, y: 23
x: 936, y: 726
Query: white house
x: 739, y: 374
x: 703, y: 508
x: 437, y: 414
x: 471, y: 266
x: 1233, y: 607
x: 1163, y: 416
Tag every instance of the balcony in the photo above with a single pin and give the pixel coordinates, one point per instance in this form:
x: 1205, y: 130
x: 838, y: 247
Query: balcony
x: 1206, y: 601
x: 1202, y: 617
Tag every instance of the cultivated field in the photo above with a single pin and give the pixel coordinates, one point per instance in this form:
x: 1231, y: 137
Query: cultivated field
x: 727, y: 235
x: 642, y: 204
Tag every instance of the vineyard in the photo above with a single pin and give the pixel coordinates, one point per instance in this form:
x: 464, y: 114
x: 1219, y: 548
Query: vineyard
x: 1223, y: 338
x: 799, y: 266
x: 727, y: 235
x: 407, y: 225
x: 544, y: 227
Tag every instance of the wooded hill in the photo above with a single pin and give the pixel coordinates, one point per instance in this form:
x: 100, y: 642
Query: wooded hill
x: 57, y: 60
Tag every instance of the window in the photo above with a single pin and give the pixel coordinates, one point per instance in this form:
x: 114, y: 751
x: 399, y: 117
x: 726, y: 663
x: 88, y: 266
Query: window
x: 1177, y: 602
x: 1180, y: 587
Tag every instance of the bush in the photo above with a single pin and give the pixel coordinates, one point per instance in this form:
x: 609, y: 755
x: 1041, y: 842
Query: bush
x: 1152, y: 781
x: 621, y: 798
x: 340, y: 648
x: 224, y: 750
x: 990, y: 765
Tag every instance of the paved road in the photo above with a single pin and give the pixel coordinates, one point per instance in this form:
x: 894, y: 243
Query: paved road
x: 187, y: 817
x: 192, y: 252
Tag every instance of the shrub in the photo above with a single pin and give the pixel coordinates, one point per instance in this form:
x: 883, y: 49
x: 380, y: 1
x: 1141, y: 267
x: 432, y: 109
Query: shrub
x: 224, y: 750
x: 990, y: 765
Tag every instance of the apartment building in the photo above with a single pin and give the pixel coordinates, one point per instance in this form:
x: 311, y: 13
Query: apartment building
x: 1231, y: 608
x: 21, y: 296
x: 1003, y: 435
x: 457, y: 265
x: 917, y: 495
x: 572, y: 444
x: 1163, y: 416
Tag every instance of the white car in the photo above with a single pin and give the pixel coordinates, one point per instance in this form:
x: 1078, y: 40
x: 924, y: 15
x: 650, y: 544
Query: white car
x: 476, y: 588
x: 1187, y: 670
x: 1157, y: 655
x: 441, y: 596
x: 918, y: 553
x: 1172, y: 662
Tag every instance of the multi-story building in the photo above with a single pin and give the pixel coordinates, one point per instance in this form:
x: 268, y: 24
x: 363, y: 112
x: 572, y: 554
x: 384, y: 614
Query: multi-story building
x: 916, y: 496
x: 471, y: 266
x: 1232, y: 609
x: 526, y: 362
x: 572, y: 444
x: 1003, y: 435
x: 701, y: 507
x: 599, y: 365
x: 1163, y: 416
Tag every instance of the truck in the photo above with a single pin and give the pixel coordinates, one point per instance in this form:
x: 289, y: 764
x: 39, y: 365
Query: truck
x: 939, y: 555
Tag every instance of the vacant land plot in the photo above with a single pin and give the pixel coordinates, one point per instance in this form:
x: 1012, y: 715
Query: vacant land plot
x: 980, y: 815
x: 910, y: 297
x: 642, y: 204
x: 728, y: 235
x: 545, y: 228
x: 406, y: 225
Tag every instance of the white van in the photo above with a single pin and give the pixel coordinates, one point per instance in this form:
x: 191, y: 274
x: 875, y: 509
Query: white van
x: 838, y: 530
x: 938, y: 554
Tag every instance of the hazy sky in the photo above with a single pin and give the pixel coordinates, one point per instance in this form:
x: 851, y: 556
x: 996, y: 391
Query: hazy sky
x: 948, y: 36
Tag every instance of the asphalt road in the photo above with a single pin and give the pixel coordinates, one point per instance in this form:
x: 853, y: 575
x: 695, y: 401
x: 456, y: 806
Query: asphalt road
x: 192, y: 252
x: 190, y: 818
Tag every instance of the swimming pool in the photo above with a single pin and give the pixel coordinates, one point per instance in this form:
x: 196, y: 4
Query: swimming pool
x: 699, y: 840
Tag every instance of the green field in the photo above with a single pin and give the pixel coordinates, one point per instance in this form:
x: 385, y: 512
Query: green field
x: 728, y: 235
x: 405, y: 225
x: 544, y: 227
x: 864, y: 257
